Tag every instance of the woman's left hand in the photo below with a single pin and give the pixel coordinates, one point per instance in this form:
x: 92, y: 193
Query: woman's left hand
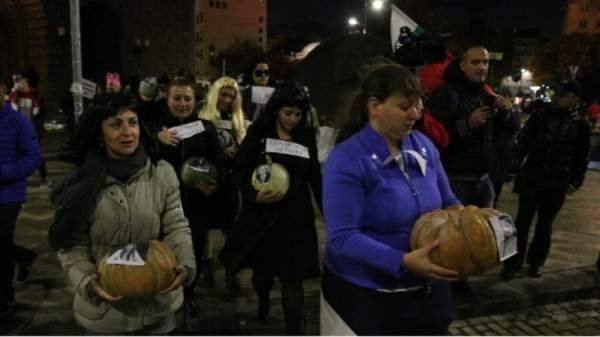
x: 182, y: 274
x: 207, y: 189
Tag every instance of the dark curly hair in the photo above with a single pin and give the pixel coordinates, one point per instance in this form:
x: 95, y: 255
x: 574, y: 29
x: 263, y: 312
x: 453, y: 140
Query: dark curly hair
x: 286, y: 94
x: 88, y: 133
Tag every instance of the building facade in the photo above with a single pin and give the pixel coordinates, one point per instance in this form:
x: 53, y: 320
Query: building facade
x: 221, y: 23
x: 582, y: 16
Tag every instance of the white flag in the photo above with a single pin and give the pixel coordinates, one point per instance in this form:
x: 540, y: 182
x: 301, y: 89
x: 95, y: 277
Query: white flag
x: 398, y: 20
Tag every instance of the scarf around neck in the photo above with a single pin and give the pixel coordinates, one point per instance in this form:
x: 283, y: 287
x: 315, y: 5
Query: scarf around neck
x: 76, y: 195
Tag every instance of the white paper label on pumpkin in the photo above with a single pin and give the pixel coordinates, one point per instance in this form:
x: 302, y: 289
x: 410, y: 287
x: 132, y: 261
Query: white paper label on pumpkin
x: 188, y: 130
x: 126, y: 256
x: 222, y: 124
x: 506, y: 235
x: 285, y: 147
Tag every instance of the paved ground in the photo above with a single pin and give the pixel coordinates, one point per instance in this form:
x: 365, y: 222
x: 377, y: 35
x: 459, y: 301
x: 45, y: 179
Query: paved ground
x: 566, y: 300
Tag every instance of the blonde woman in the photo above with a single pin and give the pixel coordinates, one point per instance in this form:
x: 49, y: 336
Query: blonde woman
x: 223, y: 108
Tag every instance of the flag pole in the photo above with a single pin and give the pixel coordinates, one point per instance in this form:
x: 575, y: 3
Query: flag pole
x: 77, y: 89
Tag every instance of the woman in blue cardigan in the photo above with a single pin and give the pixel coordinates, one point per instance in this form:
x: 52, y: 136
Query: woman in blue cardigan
x: 379, y: 179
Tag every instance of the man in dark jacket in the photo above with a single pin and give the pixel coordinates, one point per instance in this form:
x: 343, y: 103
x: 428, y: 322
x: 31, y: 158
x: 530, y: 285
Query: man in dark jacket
x: 19, y: 157
x: 470, y: 111
x: 551, y: 157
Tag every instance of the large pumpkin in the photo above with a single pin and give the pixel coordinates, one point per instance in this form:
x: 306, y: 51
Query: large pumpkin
x: 271, y: 177
x: 197, y: 169
x: 156, y: 274
x: 467, y: 242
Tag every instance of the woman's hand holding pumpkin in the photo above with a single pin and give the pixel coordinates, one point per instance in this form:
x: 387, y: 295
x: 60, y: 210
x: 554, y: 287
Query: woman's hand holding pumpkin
x: 96, y: 289
x: 207, y: 188
x: 182, y: 275
x: 268, y: 197
x: 418, y: 262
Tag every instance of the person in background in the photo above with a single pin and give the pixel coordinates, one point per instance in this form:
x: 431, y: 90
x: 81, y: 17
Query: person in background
x: 20, y: 156
x: 593, y: 112
x: 470, y: 112
x: 121, y: 194
x: 113, y: 82
x: 26, y: 96
x: 372, y: 283
x: 223, y: 107
x: 503, y: 143
x: 276, y: 234
x: 197, y: 199
x: 551, y: 158
x: 259, y: 76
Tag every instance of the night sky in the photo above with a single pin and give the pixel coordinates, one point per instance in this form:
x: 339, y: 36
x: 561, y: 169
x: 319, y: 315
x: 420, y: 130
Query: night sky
x: 313, y: 19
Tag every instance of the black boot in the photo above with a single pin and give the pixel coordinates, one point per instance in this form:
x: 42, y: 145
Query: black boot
x: 233, y: 283
x: 208, y: 273
x: 263, y: 310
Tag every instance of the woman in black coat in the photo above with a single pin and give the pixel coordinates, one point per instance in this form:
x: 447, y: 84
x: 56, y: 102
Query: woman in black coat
x: 276, y: 234
x: 176, y: 148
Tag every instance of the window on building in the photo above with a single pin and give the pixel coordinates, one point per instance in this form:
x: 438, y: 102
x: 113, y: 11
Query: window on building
x: 224, y: 4
x: 218, y: 3
x: 201, y: 54
x: 211, y: 4
x: 582, y: 24
x: 260, y: 40
x: 598, y: 23
x: 260, y: 30
x: 260, y: 19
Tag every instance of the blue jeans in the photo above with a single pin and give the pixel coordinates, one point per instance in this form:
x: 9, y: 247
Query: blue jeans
x: 476, y: 190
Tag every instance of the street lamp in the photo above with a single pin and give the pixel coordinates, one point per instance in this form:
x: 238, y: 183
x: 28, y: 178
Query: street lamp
x: 352, y: 21
x: 376, y: 5
x: 535, y: 89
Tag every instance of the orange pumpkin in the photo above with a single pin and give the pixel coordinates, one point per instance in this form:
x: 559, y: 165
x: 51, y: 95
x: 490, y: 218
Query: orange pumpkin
x: 467, y: 242
x: 155, y: 275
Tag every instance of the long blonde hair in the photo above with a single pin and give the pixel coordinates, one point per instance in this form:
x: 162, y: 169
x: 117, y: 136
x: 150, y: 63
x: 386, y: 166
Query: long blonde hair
x: 212, y: 113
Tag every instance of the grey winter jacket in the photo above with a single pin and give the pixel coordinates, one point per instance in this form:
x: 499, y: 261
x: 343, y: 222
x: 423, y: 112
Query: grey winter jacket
x: 147, y: 206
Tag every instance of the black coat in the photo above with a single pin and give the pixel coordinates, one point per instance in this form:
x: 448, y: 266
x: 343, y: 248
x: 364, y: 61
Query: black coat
x: 470, y: 151
x: 552, y: 150
x: 198, y: 208
x: 279, y: 239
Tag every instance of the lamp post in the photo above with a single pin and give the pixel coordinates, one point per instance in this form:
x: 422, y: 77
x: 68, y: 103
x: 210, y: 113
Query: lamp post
x: 376, y: 5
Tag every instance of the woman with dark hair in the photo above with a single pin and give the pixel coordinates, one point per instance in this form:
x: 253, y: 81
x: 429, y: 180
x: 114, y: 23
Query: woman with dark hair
x: 276, y: 234
x: 259, y: 79
x: 119, y: 195
x: 379, y: 179
x: 201, y: 141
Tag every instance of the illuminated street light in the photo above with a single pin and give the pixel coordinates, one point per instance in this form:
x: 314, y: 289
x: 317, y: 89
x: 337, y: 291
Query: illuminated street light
x: 534, y: 88
x: 376, y: 5
x: 352, y: 21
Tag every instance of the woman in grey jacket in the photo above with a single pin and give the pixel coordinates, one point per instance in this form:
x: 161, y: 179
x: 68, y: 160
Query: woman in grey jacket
x: 119, y: 195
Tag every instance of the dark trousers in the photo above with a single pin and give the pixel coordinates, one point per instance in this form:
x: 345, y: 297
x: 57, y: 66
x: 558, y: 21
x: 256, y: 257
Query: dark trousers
x: 547, y: 204
x: 427, y: 311
x: 39, y: 129
x: 473, y: 191
x: 8, y: 220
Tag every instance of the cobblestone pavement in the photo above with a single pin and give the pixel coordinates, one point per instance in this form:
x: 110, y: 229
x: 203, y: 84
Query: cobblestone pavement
x: 571, y: 318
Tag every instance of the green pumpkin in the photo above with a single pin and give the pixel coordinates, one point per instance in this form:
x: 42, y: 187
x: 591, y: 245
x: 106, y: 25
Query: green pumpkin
x: 271, y: 177
x: 198, y: 169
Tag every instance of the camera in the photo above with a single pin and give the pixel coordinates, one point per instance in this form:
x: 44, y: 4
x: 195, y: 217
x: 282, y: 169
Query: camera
x: 413, y: 49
